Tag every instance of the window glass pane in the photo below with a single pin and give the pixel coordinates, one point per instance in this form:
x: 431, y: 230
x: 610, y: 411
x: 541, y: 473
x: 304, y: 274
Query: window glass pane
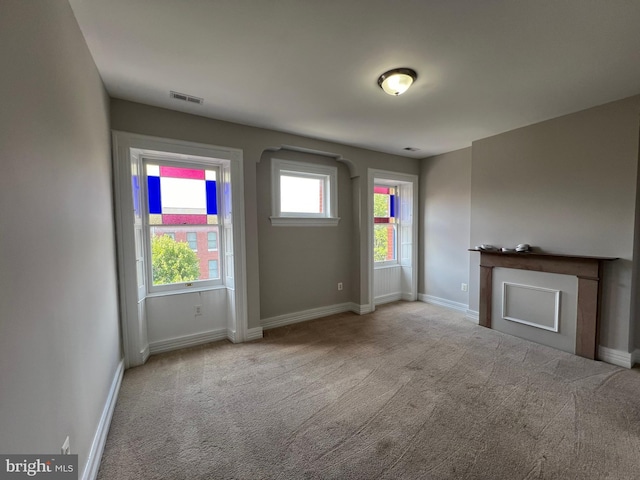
x: 173, y: 256
x: 192, y: 240
x: 181, y: 196
x: 212, y: 240
x: 384, y: 242
x: 213, y: 269
x: 384, y: 204
x: 301, y: 194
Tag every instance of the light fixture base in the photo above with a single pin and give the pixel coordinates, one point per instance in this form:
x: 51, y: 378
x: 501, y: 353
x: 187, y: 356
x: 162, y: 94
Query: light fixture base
x: 397, y: 81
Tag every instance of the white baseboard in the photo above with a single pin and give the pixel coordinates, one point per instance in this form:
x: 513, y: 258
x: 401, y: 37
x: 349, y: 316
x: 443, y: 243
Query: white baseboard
x: 616, y: 357
x: 187, y: 341
x: 100, y: 438
x: 144, y: 353
x: 388, y: 298
x: 361, y: 309
x: 443, y: 302
x: 289, y: 318
x: 254, y: 333
x: 473, y: 316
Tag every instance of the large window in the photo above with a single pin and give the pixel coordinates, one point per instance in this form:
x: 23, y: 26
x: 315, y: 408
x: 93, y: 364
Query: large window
x: 182, y: 217
x: 303, y: 194
x: 385, y: 229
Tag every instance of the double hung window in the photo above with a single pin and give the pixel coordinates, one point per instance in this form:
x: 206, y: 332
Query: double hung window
x: 385, y: 228
x: 182, y: 213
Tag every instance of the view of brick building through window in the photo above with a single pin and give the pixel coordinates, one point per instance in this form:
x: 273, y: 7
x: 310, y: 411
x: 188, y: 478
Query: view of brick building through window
x: 205, y: 246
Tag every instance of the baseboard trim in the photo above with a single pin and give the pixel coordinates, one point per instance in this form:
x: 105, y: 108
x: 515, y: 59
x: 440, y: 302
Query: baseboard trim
x: 443, y: 302
x: 296, y: 317
x: 100, y: 438
x: 231, y: 336
x: 144, y: 353
x: 473, y: 316
x: 616, y: 357
x: 254, y: 334
x: 187, y: 341
x: 361, y: 309
x: 388, y: 298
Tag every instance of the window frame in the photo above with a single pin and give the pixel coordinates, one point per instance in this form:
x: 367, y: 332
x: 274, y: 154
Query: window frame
x: 325, y: 173
x: 180, y: 287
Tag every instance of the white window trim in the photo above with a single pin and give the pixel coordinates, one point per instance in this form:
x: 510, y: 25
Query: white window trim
x: 126, y: 149
x: 278, y: 218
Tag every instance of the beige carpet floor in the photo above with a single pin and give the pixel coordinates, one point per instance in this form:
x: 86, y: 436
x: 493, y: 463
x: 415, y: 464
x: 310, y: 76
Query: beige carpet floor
x: 413, y: 391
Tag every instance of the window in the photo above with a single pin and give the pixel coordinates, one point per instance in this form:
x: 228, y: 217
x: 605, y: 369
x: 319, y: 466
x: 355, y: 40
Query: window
x: 385, y: 229
x: 212, y: 241
x: 303, y: 194
x: 213, y: 269
x: 192, y: 240
x: 182, y: 206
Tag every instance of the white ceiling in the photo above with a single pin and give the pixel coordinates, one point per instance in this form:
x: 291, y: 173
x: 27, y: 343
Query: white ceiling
x: 310, y: 66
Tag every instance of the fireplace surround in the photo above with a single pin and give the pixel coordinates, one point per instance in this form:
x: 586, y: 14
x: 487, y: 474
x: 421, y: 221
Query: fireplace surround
x: 588, y: 270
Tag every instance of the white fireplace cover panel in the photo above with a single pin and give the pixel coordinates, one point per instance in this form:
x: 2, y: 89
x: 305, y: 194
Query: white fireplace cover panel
x: 522, y: 301
x: 535, y: 306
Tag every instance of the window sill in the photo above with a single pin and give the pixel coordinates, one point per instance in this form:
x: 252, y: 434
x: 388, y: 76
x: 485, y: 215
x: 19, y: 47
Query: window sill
x: 382, y: 266
x: 304, y: 222
x: 182, y: 291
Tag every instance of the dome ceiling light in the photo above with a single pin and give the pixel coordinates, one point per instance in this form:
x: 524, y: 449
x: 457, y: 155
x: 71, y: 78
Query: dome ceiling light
x: 397, y: 81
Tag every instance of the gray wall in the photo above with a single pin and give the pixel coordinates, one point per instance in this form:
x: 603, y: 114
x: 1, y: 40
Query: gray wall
x: 300, y: 267
x: 445, y: 202
x: 59, y: 340
x: 567, y: 185
x: 143, y: 119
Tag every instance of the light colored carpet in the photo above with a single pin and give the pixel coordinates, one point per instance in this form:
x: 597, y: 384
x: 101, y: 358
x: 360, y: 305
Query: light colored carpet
x: 413, y: 391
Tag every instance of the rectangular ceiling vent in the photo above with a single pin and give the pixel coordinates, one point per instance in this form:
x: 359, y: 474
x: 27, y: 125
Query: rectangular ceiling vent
x: 411, y: 149
x: 186, y: 98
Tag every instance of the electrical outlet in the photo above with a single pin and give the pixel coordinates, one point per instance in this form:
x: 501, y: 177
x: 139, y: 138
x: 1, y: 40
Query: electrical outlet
x: 340, y: 286
x: 66, y: 447
x: 464, y: 287
x: 198, y: 309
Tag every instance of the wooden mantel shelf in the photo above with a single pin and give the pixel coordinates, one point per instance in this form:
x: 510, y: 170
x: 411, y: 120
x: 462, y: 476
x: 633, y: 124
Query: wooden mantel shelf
x: 587, y: 269
x: 541, y: 254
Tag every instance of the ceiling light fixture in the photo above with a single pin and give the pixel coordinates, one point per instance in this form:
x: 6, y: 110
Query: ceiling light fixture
x: 397, y: 81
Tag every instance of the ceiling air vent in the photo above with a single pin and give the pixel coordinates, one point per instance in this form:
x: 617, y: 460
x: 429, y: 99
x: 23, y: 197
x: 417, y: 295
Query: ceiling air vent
x: 186, y: 98
x: 411, y: 149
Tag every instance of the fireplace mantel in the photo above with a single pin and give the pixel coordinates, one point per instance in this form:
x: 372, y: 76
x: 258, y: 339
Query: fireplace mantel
x: 587, y: 269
